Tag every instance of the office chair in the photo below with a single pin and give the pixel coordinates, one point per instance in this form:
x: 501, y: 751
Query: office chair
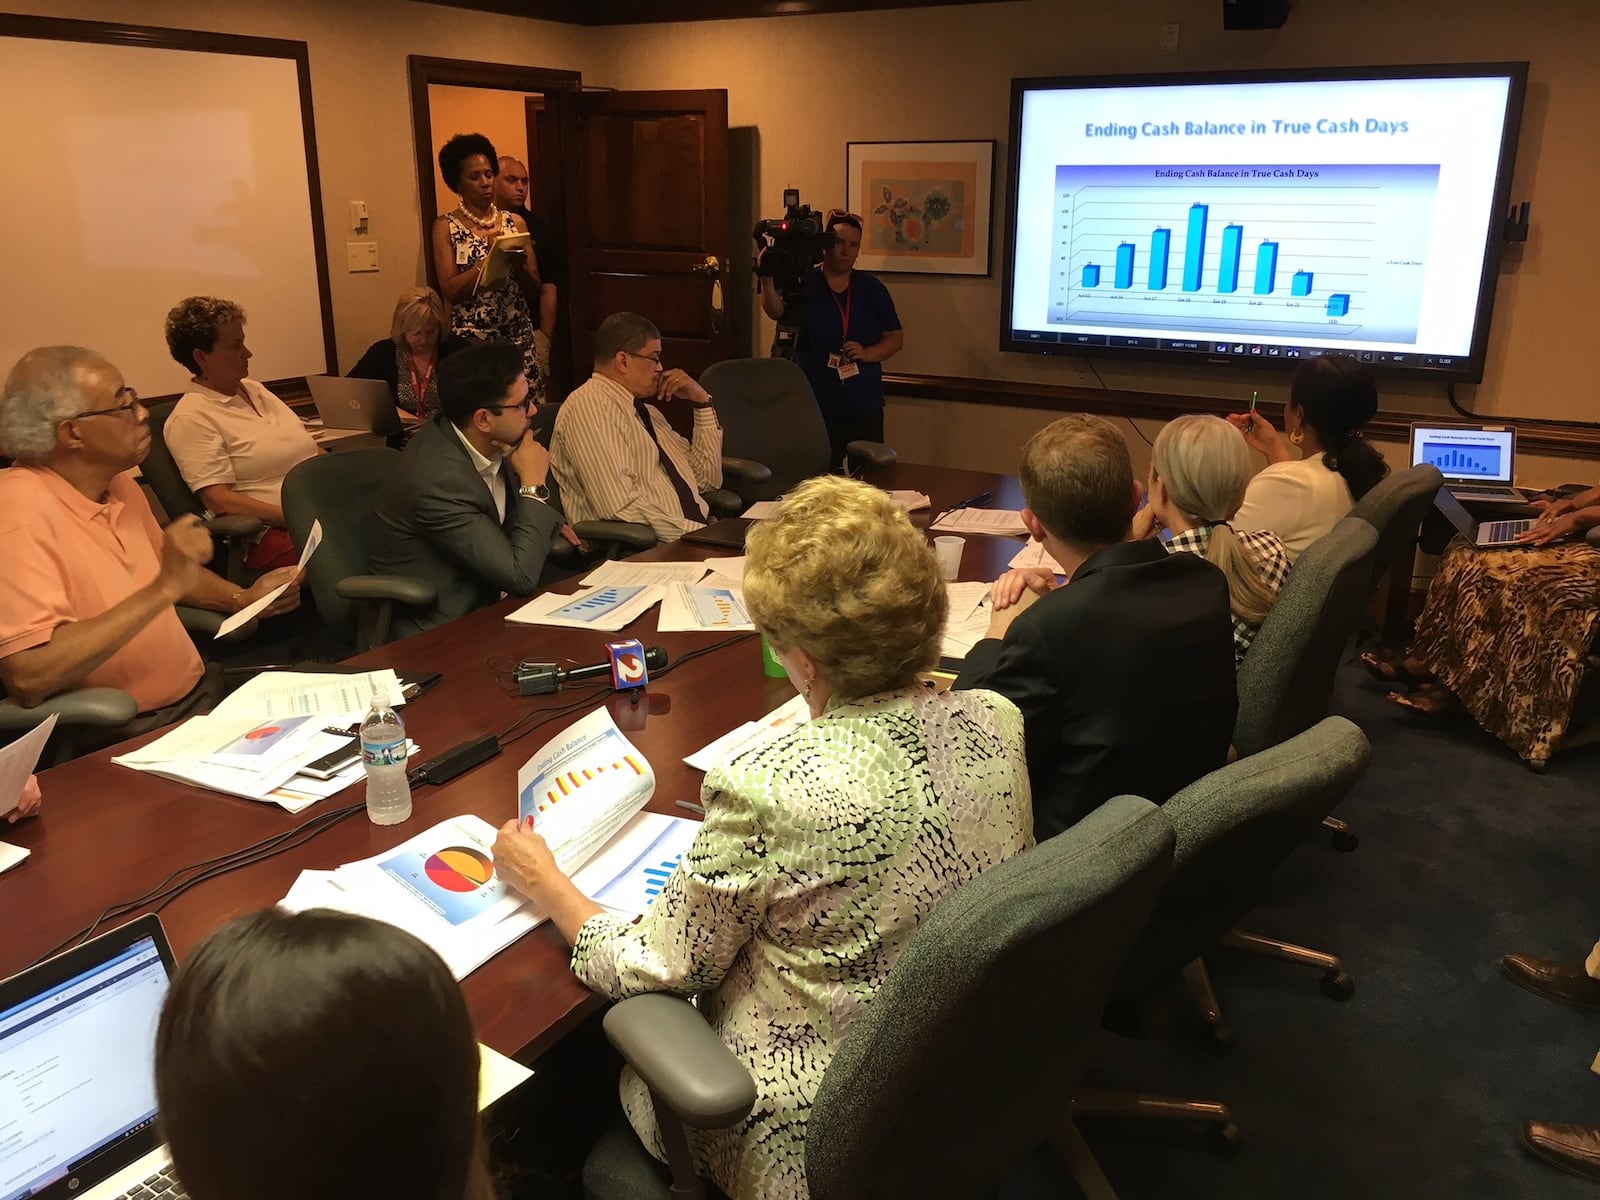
x: 1395, y: 507
x: 160, y: 471
x: 1286, y: 677
x: 1234, y: 827
x: 338, y: 490
x: 769, y: 416
x: 956, y: 1068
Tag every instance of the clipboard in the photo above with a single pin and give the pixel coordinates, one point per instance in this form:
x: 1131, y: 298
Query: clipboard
x: 497, y: 267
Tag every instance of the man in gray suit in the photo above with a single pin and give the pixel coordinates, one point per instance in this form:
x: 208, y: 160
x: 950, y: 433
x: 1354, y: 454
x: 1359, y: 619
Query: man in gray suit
x: 469, y: 506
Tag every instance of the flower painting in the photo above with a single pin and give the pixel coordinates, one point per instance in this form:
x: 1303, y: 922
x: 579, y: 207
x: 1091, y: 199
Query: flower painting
x: 922, y: 212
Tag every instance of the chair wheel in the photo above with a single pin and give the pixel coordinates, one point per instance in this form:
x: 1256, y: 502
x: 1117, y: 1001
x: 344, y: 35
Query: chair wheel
x: 1225, y: 1140
x: 1336, y: 985
x: 1344, y: 841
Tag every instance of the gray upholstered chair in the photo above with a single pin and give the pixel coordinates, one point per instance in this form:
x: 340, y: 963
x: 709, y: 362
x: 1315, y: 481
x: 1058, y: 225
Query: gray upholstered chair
x: 960, y: 1064
x: 160, y: 472
x: 1394, y: 508
x: 338, y: 490
x: 1234, y: 827
x: 769, y: 416
x: 1286, y: 677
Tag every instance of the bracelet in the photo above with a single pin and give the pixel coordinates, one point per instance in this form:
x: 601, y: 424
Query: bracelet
x: 238, y: 595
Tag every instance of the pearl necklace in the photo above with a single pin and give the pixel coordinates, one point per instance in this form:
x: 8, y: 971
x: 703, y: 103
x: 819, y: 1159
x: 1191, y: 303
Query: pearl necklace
x: 488, y: 222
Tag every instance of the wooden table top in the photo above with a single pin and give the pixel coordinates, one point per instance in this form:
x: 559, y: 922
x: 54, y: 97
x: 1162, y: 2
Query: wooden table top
x: 108, y: 835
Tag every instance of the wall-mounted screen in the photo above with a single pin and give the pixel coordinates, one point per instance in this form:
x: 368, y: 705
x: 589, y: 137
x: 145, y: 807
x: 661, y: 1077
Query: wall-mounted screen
x: 1263, y: 217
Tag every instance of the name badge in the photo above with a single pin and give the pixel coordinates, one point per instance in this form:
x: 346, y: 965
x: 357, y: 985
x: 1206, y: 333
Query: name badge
x: 848, y: 369
x: 463, y: 254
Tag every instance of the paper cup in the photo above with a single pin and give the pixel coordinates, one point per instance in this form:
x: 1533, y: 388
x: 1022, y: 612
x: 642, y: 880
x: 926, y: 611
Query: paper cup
x: 949, y: 551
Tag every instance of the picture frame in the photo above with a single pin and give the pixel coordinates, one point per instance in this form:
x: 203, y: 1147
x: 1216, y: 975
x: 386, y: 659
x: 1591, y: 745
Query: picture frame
x: 926, y: 207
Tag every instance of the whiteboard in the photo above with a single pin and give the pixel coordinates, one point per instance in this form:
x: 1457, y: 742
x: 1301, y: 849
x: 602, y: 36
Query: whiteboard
x: 138, y: 176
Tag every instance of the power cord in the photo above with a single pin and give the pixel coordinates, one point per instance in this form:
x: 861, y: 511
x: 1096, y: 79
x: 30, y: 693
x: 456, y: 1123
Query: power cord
x: 1548, y: 422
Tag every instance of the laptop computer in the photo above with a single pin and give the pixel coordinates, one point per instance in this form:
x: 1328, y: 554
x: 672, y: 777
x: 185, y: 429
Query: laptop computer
x: 1481, y: 533
x: 77, y: 1042
x: 363, y: 404
x: 1478, y: 462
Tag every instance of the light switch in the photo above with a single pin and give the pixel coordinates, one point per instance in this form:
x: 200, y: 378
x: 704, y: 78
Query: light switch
x: 362, y: 256
x: 1169, y: 39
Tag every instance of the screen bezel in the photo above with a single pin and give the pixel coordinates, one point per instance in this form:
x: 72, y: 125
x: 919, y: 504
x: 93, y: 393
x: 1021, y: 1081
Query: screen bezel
x: 1466, y: 369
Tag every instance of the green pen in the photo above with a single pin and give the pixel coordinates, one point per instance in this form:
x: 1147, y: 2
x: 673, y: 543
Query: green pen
x: 1253, y: 398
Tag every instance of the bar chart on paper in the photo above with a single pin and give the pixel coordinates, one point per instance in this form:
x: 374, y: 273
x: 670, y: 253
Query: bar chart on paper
x: 637, y: 886
x: 1314, y: 251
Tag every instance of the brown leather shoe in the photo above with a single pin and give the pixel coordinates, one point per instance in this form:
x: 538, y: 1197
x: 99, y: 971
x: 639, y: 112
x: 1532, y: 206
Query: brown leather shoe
x: 1554, y: 979
x: 1573, y: 1148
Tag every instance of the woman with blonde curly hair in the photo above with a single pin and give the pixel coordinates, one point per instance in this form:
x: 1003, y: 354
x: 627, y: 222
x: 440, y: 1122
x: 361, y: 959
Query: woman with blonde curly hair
x: 823, y: 848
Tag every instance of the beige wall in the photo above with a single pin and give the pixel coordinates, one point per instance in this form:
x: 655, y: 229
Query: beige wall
x: 500, y: 116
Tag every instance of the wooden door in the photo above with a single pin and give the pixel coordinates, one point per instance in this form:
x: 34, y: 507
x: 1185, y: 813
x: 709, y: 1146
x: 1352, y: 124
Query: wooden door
x: 644, y: 201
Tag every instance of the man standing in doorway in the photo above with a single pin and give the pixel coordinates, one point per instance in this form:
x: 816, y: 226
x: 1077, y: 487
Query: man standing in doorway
x: 511, y: 195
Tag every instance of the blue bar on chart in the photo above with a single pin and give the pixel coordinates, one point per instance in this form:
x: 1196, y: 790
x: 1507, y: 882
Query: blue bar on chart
x: 1125, y: 265
x: 1160, y: 250
x: 656, y: 878
x: 1266, y: 268
x: 1194, y: 250
x: 1301, y: 284
x: 1091, y: 275
x: 1338, y: 304
x: 1232, y: 243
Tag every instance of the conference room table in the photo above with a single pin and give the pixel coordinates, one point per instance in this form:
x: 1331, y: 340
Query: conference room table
x: 108, y: 834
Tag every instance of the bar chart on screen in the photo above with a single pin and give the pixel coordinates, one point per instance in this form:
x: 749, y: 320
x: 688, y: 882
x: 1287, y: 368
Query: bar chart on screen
x: 1273, y: 251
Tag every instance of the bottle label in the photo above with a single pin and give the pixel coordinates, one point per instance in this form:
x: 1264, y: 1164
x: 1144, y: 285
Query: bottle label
x: 383, y: 754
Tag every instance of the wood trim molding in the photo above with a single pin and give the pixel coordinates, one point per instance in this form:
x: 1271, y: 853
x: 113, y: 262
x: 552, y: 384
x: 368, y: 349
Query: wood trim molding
x: 1558, y: 439
x: 637, y: 12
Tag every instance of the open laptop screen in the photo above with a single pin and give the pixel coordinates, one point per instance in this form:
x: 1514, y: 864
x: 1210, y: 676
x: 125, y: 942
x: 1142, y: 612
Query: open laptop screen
x: 77, y: 1065
x: 1466, y: 452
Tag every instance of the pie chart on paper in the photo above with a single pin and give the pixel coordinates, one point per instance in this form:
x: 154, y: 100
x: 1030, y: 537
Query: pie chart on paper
x: 458, y: 869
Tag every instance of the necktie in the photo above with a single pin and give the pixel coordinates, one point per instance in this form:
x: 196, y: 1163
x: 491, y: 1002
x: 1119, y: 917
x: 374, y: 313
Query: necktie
x: 687, y: 500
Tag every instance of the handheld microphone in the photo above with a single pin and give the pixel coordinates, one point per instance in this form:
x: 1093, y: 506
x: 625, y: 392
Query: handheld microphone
x: 539, y: 679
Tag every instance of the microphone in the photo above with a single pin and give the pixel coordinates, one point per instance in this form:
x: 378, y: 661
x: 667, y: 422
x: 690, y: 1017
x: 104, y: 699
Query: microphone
x: 628, y: 664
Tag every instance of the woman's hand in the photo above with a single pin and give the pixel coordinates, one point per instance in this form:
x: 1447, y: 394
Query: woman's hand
x: 28, y: 804
x: 1259, y: 435
x: 1144, y: 524
x: 1011, y: 587
x: 1551, y: 509
x: 1572, y: 524
x: 523, y: 860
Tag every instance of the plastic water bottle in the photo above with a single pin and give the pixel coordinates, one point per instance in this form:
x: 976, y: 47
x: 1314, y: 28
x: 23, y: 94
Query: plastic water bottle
x: 383, y: 753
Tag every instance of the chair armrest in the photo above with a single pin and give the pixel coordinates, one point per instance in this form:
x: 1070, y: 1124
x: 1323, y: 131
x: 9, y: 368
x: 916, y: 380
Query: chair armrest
x: 86, y: 706
x: 205, y: 623
x: 626, y: 533
x: 683, y: 1062
x: 402, y: 589
x: 724, y: 503
x: 873, y: 454
x: 232, y: 525
x: 746, y: 470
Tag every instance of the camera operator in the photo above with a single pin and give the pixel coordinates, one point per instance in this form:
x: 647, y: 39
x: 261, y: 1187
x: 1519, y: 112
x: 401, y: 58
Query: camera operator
x: 851, y: 329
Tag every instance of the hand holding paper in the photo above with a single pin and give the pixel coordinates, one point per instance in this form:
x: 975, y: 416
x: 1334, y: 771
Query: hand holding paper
x: 277, y: 598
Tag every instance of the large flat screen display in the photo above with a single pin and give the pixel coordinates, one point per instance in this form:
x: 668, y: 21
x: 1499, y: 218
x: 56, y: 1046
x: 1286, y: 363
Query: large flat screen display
x: 1264, y: 217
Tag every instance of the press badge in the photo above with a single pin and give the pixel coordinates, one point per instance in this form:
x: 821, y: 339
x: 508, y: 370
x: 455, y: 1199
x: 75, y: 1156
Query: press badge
x: 846, y: 368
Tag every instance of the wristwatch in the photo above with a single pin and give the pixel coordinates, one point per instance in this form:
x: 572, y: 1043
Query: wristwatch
x: 535, y: 491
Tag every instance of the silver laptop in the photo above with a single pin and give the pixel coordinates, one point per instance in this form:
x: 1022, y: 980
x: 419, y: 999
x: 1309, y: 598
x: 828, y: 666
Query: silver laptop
x: 364, y: 404
x: 1478, y: 462
x: 1481, y: 533
x: 77, y: 1055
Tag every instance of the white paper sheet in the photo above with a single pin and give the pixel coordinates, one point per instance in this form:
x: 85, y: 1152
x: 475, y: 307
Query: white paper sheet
x: 730, y: 567
x: 606, y: 609
x: 622, y: 573
x: 11, y: 855
x: 17, y: 762
x: 752, y: 733
x: 760, y: 510
x: 639, y: 860
x: 300, y: 693
x: 910, y: 501
x: 717, y: 607
x: 993, y: 522
x: 1034, y: 555
x: 968, y: 621
x: 582, y: 786
x: 497, y: 1075
x: 250, y: 611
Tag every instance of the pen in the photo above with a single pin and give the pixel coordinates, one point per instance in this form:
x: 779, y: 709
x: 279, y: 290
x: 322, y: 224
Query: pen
x: 977, y: 501
x: 1253, y: 397
x: 692, y: 807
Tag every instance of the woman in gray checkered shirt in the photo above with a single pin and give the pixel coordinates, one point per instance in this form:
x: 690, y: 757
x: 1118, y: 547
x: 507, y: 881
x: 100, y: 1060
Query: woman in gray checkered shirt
x: 1199, y: 468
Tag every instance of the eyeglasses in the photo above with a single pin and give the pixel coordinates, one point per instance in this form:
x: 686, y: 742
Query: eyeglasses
x: 835, y: 215
x: 649, y: 358
x: 525, y: 405
x: 117, y: 411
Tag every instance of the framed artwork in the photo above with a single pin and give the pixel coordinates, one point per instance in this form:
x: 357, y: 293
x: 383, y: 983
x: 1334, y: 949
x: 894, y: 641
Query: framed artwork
x: 924, y: 206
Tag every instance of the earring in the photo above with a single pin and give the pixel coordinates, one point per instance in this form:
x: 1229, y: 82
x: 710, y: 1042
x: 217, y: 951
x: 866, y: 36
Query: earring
x: 806, y: 691
x: 1297, y: 438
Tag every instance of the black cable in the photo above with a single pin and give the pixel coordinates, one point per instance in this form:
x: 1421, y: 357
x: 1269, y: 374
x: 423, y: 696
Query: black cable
x: 1548, y: 422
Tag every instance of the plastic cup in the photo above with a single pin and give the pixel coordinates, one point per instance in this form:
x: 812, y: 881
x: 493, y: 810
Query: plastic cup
x: 949, y: 551
x: 769, y: 661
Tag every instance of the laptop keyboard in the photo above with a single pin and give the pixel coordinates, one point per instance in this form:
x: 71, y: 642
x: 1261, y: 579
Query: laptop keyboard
x: 164, y: 1183
x: 1501, y: 531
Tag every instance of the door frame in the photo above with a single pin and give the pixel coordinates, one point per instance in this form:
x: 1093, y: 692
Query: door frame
x: 460, y: 72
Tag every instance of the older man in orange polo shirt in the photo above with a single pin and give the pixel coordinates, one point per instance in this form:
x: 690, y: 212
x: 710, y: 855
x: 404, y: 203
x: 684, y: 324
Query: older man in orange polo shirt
x: 90, y: 579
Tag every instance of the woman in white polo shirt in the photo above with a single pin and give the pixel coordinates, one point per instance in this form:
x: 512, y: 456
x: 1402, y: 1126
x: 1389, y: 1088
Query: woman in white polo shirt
x: 233, y: 440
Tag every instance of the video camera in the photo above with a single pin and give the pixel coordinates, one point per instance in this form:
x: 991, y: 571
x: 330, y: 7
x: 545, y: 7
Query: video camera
x: 787, y: 247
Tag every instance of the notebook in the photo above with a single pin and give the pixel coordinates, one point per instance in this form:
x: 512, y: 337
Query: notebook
x: 728, y: 532
x: 1481, y: 533
x: 363, y: 404
x: 77, y: 1043
x: 1478, y: 462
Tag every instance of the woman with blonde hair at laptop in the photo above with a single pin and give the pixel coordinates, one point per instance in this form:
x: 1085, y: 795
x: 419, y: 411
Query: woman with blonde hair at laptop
x: 319, y: 1055
x: 408, y: 359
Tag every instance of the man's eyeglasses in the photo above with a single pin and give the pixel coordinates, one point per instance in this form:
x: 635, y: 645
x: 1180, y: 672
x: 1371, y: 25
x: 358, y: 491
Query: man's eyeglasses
x: 525, y: 405
x: 116, y: 411
x: 650, y: 358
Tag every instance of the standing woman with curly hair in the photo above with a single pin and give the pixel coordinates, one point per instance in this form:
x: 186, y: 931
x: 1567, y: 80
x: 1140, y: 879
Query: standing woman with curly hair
x: 461, y: 242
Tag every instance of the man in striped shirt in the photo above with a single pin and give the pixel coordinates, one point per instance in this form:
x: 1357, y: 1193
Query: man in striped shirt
x: 616, y: 457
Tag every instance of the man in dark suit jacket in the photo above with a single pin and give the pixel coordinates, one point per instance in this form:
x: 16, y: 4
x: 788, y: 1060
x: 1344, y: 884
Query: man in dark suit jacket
x: 469, y: 507
x: 1124, y: 675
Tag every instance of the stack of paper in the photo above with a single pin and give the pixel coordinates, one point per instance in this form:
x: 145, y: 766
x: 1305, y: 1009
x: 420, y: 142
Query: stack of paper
x: 996, y: 522
x: 717, y: 607
x: 1035, y: 555
x: 607, y: 608
x: 751, y: 734
x: 968, y: 621
x: 910, y: 501
x: 622, y: 573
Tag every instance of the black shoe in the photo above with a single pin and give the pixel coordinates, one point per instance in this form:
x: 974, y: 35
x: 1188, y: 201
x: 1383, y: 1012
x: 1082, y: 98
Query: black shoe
x: 1575, y: 1149
x: 1554, y: 979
